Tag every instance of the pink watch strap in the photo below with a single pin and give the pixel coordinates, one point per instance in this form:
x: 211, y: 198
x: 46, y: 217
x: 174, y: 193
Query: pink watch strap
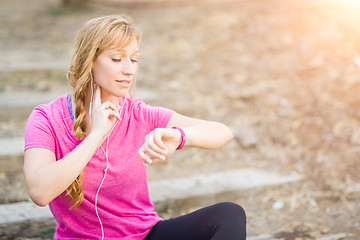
x: 183, y: 138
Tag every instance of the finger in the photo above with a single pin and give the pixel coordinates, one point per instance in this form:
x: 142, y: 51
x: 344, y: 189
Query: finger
x: 152, y: 149
x: 110, y: 105
x: 154, y: 155
x: 112, y: 109
x: 153, y: 144
x: 143, y: 156
x: 114, y: 114
x: 158, y: 141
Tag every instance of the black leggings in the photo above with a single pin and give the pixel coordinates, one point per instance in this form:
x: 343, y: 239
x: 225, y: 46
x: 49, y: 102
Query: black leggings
x: 222, y: 221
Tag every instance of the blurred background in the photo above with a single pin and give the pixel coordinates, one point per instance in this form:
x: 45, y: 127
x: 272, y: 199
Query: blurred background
x: 283, y: 74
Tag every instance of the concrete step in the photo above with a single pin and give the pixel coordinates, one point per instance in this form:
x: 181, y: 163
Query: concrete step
x: 17, y: 105
x: 26, y: 219
x: 23, y: 211
x: 11, y: 147
x: 30, y: 99
x: 269, y: 236
x: 34, y: 66
x: 215, y: 183
x: 24, y: 99
x: 161, y: 191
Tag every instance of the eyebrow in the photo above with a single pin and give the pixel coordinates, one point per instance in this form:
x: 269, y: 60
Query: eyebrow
x: 122, y: 51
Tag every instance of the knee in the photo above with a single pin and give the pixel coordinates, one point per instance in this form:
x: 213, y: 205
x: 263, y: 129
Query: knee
x: 232, y: 219
x: 232, y: 210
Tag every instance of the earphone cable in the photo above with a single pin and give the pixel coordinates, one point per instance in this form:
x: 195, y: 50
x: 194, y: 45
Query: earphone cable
x: 106, y: 152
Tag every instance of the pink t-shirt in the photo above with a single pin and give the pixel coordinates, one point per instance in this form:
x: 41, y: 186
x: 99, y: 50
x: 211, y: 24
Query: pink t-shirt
x: 124, y: 204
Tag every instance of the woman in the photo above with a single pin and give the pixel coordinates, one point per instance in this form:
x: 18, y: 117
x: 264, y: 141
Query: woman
x: 86, y: 153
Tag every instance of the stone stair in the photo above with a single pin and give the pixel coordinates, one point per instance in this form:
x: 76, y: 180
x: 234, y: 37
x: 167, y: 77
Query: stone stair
x: 14, y: 216
x: 164, y: 190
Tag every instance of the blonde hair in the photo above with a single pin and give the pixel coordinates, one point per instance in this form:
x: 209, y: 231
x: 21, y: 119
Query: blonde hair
x: 93, y: 38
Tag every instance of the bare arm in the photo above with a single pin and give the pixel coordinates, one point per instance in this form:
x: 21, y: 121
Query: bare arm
x: 47, y: 178
x: 162, y: 142
x: 201, y: 133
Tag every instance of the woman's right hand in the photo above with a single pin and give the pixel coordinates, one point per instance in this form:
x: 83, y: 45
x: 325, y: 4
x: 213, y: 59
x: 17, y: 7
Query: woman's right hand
x: 47, y: 177
x: 104, y: 115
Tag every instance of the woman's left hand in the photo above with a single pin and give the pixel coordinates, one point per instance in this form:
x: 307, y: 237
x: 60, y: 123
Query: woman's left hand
x: 159, y: 144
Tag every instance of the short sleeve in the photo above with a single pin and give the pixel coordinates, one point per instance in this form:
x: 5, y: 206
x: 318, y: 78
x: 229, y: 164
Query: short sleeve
x: 38, y: 131
x: 155, y: 117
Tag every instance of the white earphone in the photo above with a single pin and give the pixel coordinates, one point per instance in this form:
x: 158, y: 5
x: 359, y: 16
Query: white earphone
x: 92, y: 94
x: 106, y: 152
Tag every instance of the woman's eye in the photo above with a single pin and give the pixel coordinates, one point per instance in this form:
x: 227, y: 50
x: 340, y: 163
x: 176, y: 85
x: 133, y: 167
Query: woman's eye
x: 134, y: 60
x: 116, y: 59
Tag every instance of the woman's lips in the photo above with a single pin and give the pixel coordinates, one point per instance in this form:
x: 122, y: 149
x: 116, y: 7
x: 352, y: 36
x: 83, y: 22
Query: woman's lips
x: 124, y: 83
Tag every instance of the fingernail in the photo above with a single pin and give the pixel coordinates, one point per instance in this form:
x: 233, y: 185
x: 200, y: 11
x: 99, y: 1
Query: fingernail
x: 144, y: 164
x: 164, y: 152
x: 162, y: 158
x: 148, y: 161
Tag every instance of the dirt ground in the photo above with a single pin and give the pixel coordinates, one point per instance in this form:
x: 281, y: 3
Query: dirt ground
x: 283, y: 74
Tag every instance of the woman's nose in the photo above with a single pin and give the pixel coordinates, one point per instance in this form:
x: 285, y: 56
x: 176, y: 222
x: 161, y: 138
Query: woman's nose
x: 129, y: 67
